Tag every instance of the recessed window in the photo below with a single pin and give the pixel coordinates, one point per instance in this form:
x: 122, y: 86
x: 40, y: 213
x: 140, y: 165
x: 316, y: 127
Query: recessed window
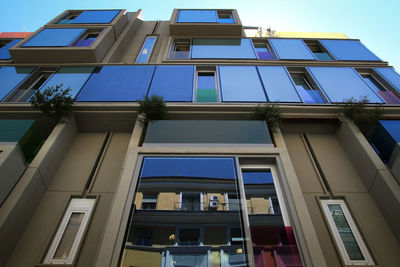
x: 180, y: 49
x: 143, y: 237
x: 87, y: 40
x: 146, y: 50
x: 70, y: 232
x: 306, y: 91
x: 206, y: 86
x: 225, y: 16
x: 318, y: 50
x: 23, y: 94
x: 263, y: 51
x: 388, y: 96
x: 351, y: 245
x: 149, y: 202
x: 189, y: 237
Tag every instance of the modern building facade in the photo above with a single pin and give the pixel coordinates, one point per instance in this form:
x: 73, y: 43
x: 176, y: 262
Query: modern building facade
x: 209, y: 186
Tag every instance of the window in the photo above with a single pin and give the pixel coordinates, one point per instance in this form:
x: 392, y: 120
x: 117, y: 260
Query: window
x: 351, y: 245
x: 232, y: 202
x: 147, y: 48
x: 149, y: 202
x: 225, y: 16
x: 306, y: 91
x: 348, y: 50
x: 4, y: 46
x: 87, y: 40
x: 54, y: 37
x: 143, y: 237
x: 25, y: 93
x: 291, y: 49
x: 390, y: 76
x: 318, y: 50
x: 89, y: 17
x: 67, y: 19
x: 191, y: 202
x: 388, y: 96
x: 232, y: 48
x: 11, y: 78
x: 180, y: 49
x: 206, y: 86
x: 263, y: 51
x: 70, y: 232
x: 189, y: 237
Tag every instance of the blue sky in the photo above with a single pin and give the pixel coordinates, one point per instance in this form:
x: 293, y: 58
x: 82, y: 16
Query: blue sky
x: 375, y: 23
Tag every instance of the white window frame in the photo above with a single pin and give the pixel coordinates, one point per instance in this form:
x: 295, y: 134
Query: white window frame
x: 76, y: 205
x: 360, y: 242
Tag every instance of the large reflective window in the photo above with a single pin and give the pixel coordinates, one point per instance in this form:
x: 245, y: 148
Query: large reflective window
x: 291, y: 49
x: 391, y: 76
x: 185, y: 212
x: 223, y: 48
x: 196, y: 16
x: 10, y: 78
x: 96, y: 16
x: 4, y: 53
x: 54, y: 37
x: 117, y: 83
x: 273, y: 241
x: 349, y: 50
x: 241, y: 84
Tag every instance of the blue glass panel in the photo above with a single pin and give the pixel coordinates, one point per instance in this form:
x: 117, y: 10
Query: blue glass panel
x: 241, y: 84
x: 385, y: 137
x: 348, y: 50
x: 85, y: 42
x: 10, y: 78
x: 223, y: 48
x: 96, y: 16
x: 117, y: 83
x: 291, y: 49
x: 278, y: 84
x: 257, y: 177
x: 220, y: 168
x: 173, y: 83
x: 70, y: 77
x: 4, y: 54
x: 308, y: 94
x: 145, y: 52
x: 341, y: 84
x: 54, y: 37
x: 204, y: 16
x: 391, y: 76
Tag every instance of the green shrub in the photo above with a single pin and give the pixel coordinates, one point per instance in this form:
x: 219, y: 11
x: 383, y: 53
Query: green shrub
x: 270, y: 113
x: 152, y: 108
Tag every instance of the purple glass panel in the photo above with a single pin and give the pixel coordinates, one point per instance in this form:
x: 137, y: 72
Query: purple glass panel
x: 389, y: 97
x: 86, y: 42
x: 266, y: 56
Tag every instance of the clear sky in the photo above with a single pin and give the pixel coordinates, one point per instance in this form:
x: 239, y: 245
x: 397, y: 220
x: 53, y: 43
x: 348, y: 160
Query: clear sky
x: 375, y: 23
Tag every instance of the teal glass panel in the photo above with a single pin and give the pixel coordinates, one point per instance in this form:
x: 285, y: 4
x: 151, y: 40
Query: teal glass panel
x: 278, y: 84
x: 54, y: 37
x: 322, y: 56
x: 343, y: 227
x: 69, y: 77
x: 348, y: 50
x: 240, y: 84
x: 173, y: 83
x: 291, y: 49
x: 391, y: 76
x: 206, y: 95
x: 197, y: 16
x: 147, y: 47
x: 341, y: 84
x: 208, y: 131
x: 117, y: 83
x: 4, y: 54
x: 96, y: 16
x: 10, y: 78
x: 223, y: 48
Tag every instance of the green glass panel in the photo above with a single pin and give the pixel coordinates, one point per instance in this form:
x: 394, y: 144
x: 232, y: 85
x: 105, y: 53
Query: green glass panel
x: 206, y: 95
x: 343, y: 227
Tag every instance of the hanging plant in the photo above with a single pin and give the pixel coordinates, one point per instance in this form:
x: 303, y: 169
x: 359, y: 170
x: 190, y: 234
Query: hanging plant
x: 270, y: 113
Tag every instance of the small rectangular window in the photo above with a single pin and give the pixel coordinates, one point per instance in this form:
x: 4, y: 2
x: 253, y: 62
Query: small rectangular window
x: 180, y: 49
x: 225, y: 16
x: 70, y: 232
x: 318, y: 50
x: 149, y: 202
x: 87, y: 40
x: 263, y: 51
x: 189, y: 236
x: 351, y: 245
x: 146, y: 50
x: 206, y: 89
x: 306, y: 91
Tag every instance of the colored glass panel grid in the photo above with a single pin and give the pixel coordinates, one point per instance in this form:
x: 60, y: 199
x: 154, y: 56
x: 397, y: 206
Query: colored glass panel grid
x: 96, y: 17
x: 223, y: 48
x: 146, y: 50
x: 54, y: 37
